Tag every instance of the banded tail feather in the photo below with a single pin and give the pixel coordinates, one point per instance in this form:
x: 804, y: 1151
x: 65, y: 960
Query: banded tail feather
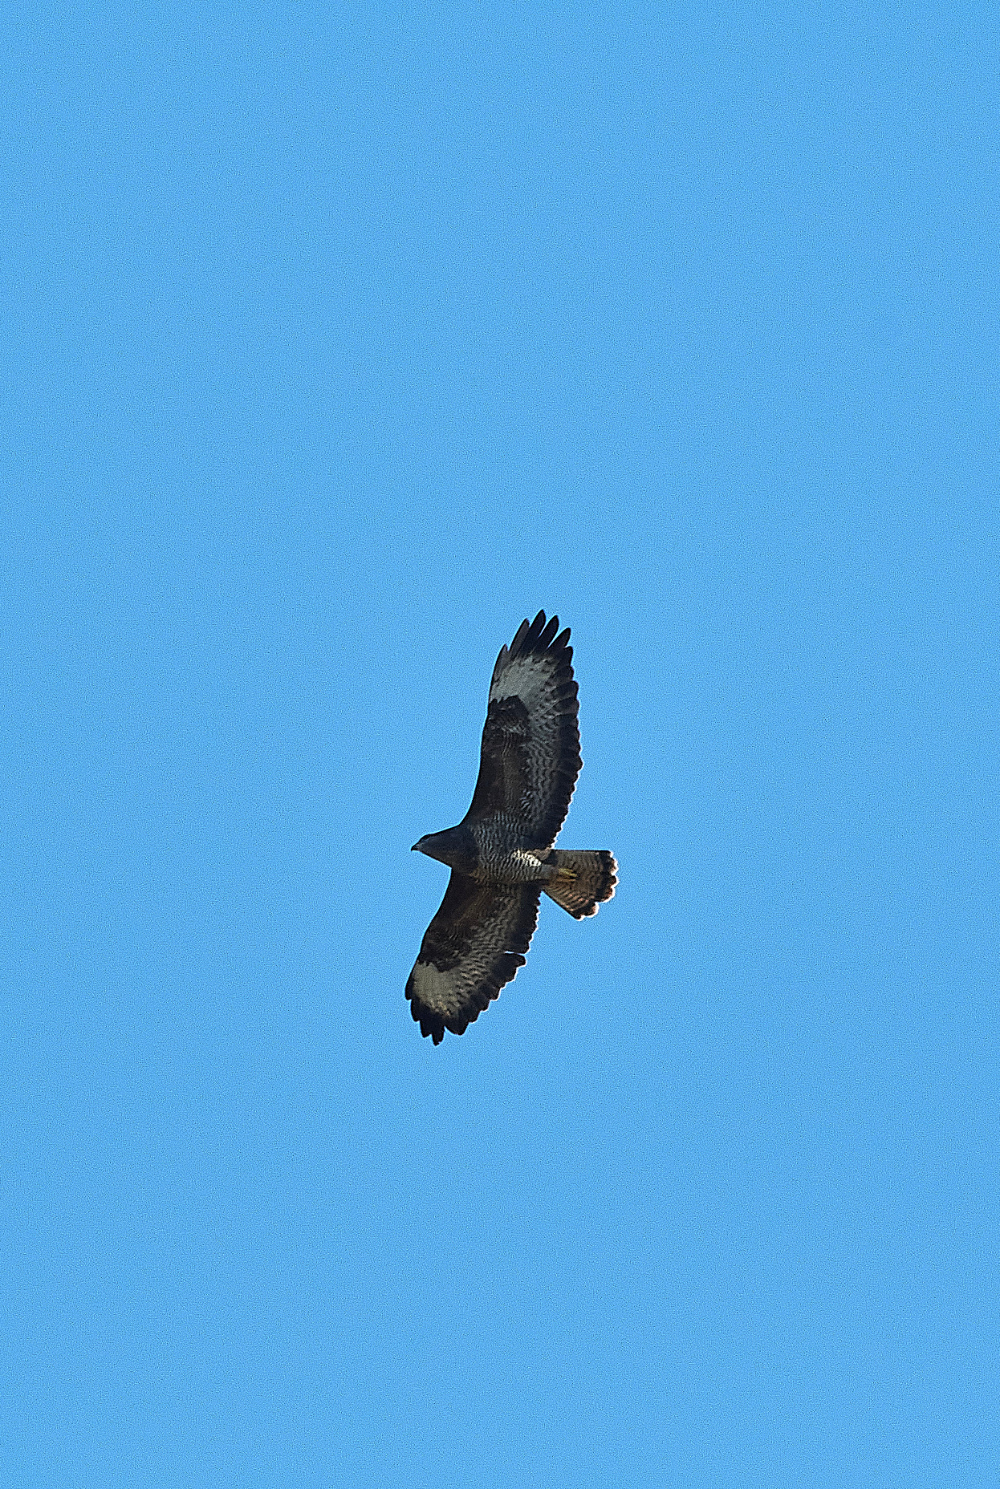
x: 594, y: 876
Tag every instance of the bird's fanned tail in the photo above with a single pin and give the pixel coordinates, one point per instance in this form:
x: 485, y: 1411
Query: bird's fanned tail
x: 588, y: 878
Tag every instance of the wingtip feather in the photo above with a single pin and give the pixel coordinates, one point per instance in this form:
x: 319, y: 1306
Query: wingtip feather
x: 541, y: 634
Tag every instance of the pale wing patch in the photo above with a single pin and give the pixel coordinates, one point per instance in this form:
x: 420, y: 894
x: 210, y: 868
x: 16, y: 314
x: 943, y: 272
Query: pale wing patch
x: 526, y: 678
x: 445, y: 993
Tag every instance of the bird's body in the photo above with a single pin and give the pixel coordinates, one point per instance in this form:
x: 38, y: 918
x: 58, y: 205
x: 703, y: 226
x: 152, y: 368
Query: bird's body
x: 501, y: 854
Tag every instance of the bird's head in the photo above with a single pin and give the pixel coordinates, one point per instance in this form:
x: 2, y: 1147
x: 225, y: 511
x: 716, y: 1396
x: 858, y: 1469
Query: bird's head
x: 454, y: 847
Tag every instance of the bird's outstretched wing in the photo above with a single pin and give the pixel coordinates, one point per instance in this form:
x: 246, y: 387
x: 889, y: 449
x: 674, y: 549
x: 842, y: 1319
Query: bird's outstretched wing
x: 530, y: 755
x: 474, y: 945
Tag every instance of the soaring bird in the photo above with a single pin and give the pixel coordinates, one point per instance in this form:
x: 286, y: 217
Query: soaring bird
x: 501, y: 855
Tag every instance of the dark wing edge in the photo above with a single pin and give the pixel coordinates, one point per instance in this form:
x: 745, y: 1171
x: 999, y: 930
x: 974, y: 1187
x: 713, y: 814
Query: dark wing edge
x: 472, y: 948
x: 530, y: 755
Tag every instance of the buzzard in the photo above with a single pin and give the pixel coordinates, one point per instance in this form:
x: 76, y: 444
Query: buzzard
x: 501, y: 855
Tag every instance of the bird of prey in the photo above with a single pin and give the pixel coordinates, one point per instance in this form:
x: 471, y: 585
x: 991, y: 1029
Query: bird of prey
x: 501, y: 855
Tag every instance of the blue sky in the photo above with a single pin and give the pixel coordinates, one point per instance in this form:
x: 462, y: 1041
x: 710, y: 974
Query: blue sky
x: 340, y: 339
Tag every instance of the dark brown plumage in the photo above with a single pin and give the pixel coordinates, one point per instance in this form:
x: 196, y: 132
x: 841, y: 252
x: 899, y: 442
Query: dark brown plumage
x: 501, y: 854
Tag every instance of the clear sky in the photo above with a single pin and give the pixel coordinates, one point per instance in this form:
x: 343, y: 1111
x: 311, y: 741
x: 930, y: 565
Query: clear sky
x: 339, y: 340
